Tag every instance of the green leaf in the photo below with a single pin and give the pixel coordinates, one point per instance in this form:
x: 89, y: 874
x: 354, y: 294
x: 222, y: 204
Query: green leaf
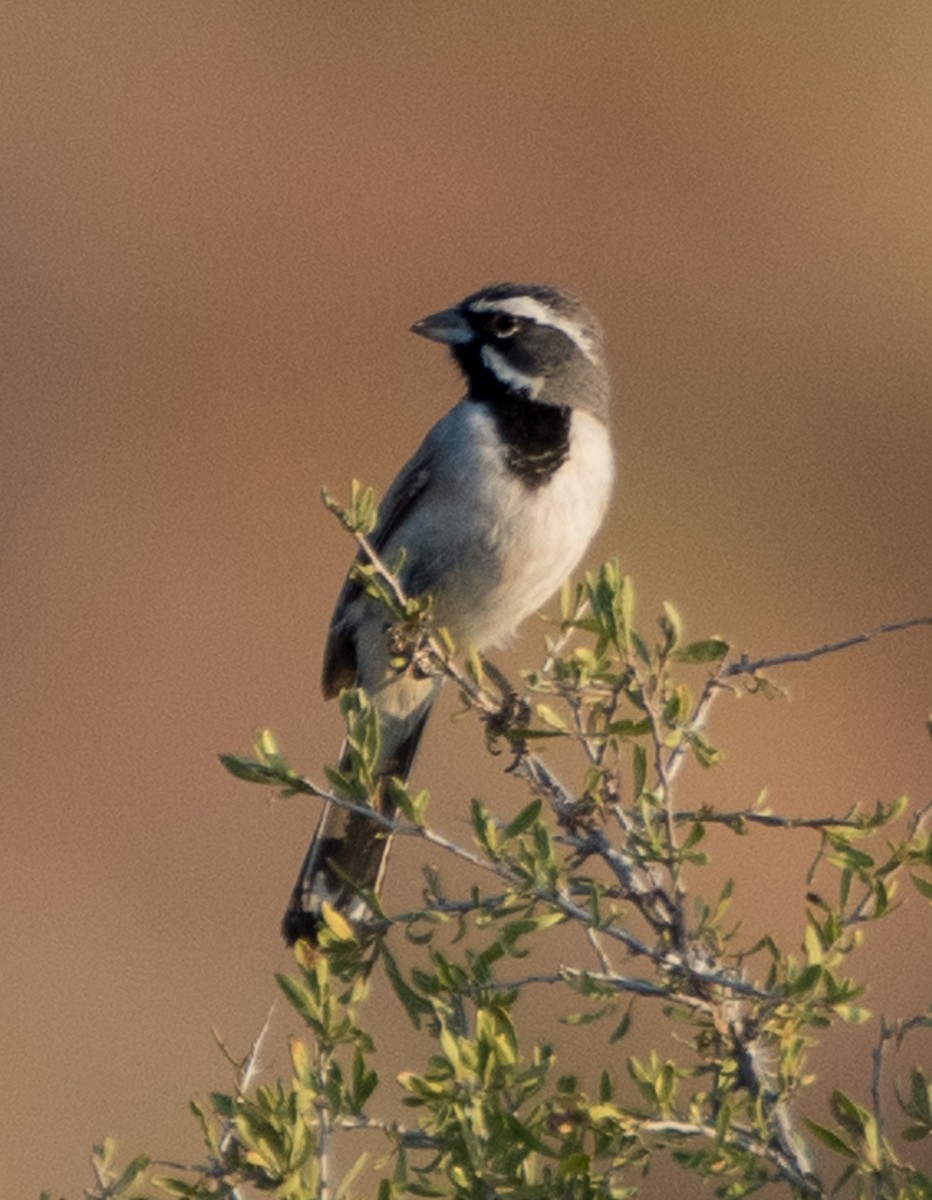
x: 807, y: 978
x: 709, y: 650
x: 176, y: 1187
x: 360, y: 515
x: 550, y: 717
x: 723, y: 1119
x: 299, y: 998
x: 627, y: 728
x: 920, y: 1097
x: 249, y: 769
x: 364, y: 1081
x: 574, y: 1165
x: 268, y: 749
x: 587, y: 1018
x: 881, y: 898
x: 641, y: 647
x: 855, y: 1119
x: 524, y: 925
x: 525, y: 819
x: 640, y: 770
x: 666, y: 1084
x: 485, y: 829
x: 621, y: 1028
x: 853, y: 1014
x: 222, y: 1104
x: 337, y: 923
x: 829, y: 1138
x: 705, y: 753
x: 414, y: 1004
x: 349, y: 1176
x: 626, y: 605
x: 844, y: 889
x: 846, y: 856
x: 923, y: 886
x: 129, y: 1174
x: 413, y: 807
x: 671, y: 626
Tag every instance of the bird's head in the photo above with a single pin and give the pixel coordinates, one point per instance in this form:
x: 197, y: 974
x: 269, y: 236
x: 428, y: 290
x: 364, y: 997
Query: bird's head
x: 530, y: 340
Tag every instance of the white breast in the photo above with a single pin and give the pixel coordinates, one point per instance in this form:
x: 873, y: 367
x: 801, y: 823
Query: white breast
x: 510, y: 547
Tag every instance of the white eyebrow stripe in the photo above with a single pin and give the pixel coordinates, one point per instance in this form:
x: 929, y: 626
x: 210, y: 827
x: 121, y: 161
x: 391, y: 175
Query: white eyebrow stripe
x: 533, y: 310
x: 505, y: 373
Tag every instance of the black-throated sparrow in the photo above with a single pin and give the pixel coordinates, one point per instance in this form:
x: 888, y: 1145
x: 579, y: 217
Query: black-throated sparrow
x: 493, y: 511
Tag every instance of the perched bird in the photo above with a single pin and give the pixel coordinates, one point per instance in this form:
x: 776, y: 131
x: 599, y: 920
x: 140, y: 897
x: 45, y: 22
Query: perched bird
x: 494, y: 510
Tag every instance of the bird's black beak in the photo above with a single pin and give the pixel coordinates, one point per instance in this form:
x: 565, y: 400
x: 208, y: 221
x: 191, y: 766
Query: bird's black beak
x: 449, y: 326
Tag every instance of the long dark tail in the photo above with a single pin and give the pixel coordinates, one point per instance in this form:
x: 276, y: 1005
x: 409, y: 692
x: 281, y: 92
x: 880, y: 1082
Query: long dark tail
x: 347, y: 854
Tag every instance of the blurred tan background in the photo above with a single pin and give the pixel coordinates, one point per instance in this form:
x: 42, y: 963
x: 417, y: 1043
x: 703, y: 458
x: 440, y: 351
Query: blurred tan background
x: 217, y: 223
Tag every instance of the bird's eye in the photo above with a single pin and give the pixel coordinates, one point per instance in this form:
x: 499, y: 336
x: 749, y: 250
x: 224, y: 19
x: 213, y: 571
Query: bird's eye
x: 502, y: 324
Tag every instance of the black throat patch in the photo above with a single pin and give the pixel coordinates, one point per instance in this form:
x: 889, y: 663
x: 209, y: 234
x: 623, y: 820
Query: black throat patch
x: 536, y: 436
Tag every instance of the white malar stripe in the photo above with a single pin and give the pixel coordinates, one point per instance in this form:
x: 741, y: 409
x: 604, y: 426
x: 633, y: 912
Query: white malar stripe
x: 505, y: 373
x: 533, y: 310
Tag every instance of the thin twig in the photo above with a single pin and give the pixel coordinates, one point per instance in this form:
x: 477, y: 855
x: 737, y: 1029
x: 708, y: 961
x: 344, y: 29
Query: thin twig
x: 771, y: 820
x: 322, y: 1104
x: 746, y: 1139
x: 250, y: 1067
x: 245, y: 1076
x: 414, y: 1139
x: 746, y: 666
x: 620, y: 983
x: 640, y: 882
x: 886, y: 1032
x: 599, y: 951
